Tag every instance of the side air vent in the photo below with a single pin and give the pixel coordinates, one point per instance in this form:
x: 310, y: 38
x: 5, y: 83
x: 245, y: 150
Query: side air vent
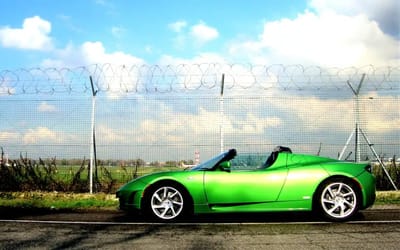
x: 368, y: 168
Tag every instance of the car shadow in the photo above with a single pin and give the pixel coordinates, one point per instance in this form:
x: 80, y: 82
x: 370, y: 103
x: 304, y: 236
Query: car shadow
x: 130, y: 217
x: 270, y: 217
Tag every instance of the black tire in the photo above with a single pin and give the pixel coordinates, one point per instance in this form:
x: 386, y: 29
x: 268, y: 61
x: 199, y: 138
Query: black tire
x: 166, y: 202
x: 337, y: 199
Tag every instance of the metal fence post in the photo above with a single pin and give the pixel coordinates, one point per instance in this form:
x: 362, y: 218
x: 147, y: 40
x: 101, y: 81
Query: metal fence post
x: 92, y: 141
x: 221, y: 108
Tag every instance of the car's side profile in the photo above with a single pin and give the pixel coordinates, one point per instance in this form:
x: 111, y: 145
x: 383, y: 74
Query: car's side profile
x: 284, y: 182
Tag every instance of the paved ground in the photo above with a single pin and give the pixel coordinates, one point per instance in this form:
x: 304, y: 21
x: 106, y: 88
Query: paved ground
x: 377, y: 228
x: 33, y: 235
x: 377, y: 212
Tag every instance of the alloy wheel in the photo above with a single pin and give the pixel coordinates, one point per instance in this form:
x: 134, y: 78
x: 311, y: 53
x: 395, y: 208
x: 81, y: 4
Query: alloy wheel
x: 167, y: 203
x: 338, y: 200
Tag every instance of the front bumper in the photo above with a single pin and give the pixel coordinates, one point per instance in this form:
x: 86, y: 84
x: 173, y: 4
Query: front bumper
x: 129, y: 201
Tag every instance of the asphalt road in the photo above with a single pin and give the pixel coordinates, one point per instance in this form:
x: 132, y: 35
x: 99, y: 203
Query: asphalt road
x: 47, y: 229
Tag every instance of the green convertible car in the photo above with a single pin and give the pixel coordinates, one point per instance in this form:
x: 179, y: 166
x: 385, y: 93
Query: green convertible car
x: 226, y: 183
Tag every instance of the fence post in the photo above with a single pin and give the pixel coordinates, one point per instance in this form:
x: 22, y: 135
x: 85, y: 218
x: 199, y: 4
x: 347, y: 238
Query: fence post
x: 221, y: 109
x: 93, y: 138
x: 358, y: 129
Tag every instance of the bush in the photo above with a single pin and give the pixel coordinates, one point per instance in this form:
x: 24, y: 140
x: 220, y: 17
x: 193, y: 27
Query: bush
x: 382, y: 180
x: 29, y: 175
x: 26, y: 174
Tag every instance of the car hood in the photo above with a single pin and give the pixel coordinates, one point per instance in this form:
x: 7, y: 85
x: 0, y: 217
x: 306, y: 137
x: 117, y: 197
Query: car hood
x: 165, y: 175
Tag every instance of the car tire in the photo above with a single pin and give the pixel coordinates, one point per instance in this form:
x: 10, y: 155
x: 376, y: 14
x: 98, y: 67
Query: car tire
x: 166, y: 202
x: 337, y: 200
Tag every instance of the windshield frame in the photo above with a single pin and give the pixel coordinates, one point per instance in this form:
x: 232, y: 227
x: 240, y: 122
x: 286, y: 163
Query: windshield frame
x: 213, y: 162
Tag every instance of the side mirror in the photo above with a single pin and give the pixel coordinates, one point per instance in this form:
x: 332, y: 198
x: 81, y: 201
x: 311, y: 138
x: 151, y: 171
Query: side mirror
x: 225, y: 165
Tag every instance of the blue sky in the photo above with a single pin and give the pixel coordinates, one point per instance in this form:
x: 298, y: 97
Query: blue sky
x: 331, y: 33
x: 319, y: 32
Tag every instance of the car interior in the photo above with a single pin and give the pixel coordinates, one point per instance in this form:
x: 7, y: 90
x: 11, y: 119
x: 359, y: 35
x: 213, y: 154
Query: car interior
x: 274, y: 155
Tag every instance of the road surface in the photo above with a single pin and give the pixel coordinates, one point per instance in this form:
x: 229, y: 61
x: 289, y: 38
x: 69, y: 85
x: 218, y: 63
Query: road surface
x: 22, y: 229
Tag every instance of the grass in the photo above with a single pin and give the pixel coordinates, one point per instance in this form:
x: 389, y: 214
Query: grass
x: 58, y: 200
x: 387, y: 197
x: 102, y: 201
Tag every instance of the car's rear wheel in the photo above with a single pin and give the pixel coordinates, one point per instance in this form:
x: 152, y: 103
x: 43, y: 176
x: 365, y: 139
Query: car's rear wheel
x: 337, y: 199
x: 166, y: 202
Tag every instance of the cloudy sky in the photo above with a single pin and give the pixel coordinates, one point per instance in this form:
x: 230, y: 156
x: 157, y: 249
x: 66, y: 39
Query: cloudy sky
x: 331, y: 33
x: 60, y: 33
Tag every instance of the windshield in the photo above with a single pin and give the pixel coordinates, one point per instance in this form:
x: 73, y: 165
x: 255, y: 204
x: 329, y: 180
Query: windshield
x: 207, y: 165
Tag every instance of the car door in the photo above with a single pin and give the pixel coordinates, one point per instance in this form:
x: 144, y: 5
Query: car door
x: 241, y: 187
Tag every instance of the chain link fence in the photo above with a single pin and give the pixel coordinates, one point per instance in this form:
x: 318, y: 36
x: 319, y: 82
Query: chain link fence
x: 134, y: 118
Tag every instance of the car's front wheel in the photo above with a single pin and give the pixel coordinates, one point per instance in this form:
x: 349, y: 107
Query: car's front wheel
x: 337, y: 200
x: 166, y: 202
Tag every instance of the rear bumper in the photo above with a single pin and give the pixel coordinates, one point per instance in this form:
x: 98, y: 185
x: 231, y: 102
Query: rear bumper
x: 367, y: 183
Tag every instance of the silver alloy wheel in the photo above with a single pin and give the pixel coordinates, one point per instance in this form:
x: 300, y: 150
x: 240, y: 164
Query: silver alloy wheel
x: 338, y: 200
x: 167, y: 203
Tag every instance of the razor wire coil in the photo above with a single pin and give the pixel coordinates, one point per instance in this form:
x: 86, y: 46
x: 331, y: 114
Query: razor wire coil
x: 192, y: 77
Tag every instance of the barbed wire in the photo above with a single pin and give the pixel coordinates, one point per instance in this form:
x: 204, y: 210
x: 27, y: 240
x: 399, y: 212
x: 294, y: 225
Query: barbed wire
x: 192, y: 77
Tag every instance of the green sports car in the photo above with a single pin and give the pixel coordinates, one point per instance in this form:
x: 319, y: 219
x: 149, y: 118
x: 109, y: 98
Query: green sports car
x: 232, y: 183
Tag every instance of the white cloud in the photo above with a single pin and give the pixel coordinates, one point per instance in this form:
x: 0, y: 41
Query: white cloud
x: 312, y: 110
x: 45, y: 107
x: 45, y: 135
x: 95, y: 53
x: 87, y: 54
x: 203, y: 33
x: 385, y: 12
x: 203, y: 125
x: 197, y: 35
x: 6, y: 136
x: 115, y: 78
x: 33, y: 35
x: 201, y: 58
x: 339, y: 114
x: 252, y: 124
x: 378, y: 121
x: 40, y: 134
x: 109, y: 135
x: 68, y: 57
x: 177, y: 26
x: 325, y: 39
